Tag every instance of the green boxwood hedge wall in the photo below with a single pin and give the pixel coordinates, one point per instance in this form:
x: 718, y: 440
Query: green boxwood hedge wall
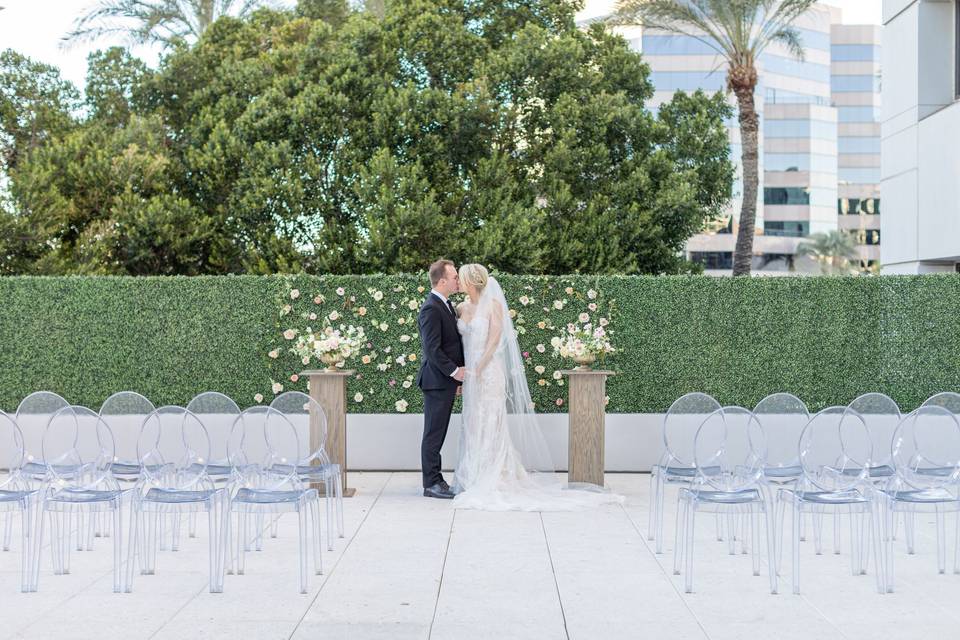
x: 824, y: 339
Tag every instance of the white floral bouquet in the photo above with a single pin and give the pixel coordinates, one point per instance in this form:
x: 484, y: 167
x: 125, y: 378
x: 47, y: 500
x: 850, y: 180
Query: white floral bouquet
x: 583, y: 343
x: 331, y: 346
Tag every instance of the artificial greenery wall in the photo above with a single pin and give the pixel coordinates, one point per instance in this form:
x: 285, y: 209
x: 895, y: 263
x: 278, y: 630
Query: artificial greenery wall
x: 825, y: 339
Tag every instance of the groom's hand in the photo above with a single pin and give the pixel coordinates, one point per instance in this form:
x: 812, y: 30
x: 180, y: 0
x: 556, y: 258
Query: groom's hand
x: 458, y: 376
x: 459, y: 390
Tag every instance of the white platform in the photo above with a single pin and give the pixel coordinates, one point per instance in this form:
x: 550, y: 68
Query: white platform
x: 412, y: 567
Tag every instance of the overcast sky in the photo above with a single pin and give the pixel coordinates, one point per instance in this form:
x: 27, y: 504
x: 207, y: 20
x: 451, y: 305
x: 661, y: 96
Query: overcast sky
x: 35, y: 28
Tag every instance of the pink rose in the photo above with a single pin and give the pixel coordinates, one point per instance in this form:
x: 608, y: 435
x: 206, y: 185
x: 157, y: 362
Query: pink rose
x: 290, y: 334
x: 559, y: 402
x: 294, y: 378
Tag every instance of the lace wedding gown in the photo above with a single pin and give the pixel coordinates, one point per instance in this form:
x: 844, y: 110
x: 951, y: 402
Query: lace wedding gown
x: 504, y: 463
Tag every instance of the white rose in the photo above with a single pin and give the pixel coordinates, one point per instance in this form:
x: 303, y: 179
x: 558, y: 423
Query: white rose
x: 557, y: 304
x: 340, y: 291
x: 524, y: 300
x: 406, y: 384
x: 378, y: 295
x: 591, y: 294
x: 539, y: 368
x: 401, y: 405
x: 404, y: 338
x: 274, y: 354
x: 584, y: 317
x: 276, y: 388
x: 412, y: 305
x: 258, y: 397
x: 294, y: 294
x: 384, y: 326
x: 358, y: 397
x: 334, y: 315
x: 290, y: 334
x: 541, y: 348
x: 557, y: 375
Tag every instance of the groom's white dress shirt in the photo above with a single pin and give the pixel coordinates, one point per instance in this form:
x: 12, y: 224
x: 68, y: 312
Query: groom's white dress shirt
x: 443, y: 299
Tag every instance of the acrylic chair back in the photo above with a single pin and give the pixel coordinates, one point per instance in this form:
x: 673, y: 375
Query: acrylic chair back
x: 947, y: 399
x: 926, y: 448
x: 782, y: 417
x: 32, y: 416
x: 310, y: 421
x: 835, y: 450
x: 124, y: 412
x: 78, y: 449
x: 882, y: 415
x: 174, y: 449
x: 217, y: 411
x: 729, y: 450
x: 11, y: 454
x: 680, y: 425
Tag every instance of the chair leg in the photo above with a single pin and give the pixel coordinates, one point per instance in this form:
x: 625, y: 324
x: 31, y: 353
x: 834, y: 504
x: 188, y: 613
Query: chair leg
x: 339, y: 505
x: 956, y: 545
x: 317, y: 541
x: 7, y: 530
x: 244, y: 547
x: 689, y: 535
x: 796, y: 548
x: 941, y: 538
x: 117, y: 550
x: 679, y: 541
x: 771, y: 550
x: 652, y: 515
x: 910, y: 531
x: 302, y: 521
x: 854, y: 537
x: 658, y: 536
x: 753, y: 517
x: 836, y: 532
x: 132, y: 544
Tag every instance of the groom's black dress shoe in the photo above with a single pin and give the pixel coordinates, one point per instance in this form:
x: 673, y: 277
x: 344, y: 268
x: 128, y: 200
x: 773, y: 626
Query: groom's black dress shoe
x: 438, y: 491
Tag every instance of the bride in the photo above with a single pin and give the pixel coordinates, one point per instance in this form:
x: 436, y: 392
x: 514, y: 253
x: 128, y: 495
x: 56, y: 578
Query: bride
x: 504, y: 461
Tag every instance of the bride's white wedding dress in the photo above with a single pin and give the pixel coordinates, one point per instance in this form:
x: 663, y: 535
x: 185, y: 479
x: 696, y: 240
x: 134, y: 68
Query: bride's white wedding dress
x: 504, y: 462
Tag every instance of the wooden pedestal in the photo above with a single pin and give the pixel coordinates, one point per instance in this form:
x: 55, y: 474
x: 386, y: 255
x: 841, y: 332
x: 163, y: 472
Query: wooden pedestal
x: 587, y: 408
x: 329, y: 389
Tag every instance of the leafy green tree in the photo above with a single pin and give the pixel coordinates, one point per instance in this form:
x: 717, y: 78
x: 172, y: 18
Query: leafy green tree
x: 739, y: 31
x: 114, y: 80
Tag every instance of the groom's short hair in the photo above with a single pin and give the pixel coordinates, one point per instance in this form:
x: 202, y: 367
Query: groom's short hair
x: 438, y: 270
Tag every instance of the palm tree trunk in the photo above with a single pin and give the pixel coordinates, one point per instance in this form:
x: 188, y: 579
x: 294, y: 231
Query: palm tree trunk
x: 749, y: 126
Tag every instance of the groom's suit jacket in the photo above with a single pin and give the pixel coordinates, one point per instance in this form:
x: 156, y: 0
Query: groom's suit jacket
x: 442, y: 347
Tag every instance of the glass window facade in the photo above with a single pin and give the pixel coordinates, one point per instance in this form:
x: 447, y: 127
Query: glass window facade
x: 786, y: 195
x: 859, y: 175
x: 795, y: 68
x: 851, y: 84
x: 854, y: 52
x: 858, y: 206
x: 858, y: 145
x: 799, y: 162
x: 858, y: 114
x: 816, y: 129
x: 789, y: 229
x: 689, y: 80
x: 868, y: 237
x: 713, y: 259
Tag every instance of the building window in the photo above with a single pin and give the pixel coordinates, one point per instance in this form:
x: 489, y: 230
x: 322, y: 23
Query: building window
x: 858, y: 206
x: 713, y: 259
x: 787, y: 229
x: 786, y: 195
x: 867, y: 236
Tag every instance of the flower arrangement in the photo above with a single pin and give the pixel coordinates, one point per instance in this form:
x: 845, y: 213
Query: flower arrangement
x: 331, y: 346
x: 584, y: 343
x: 387, y: 358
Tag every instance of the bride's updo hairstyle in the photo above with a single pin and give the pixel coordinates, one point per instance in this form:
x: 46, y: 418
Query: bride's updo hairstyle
x: 475, y: 275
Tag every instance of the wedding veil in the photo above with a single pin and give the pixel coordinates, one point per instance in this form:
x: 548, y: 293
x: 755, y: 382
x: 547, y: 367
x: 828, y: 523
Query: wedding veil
x: 525, y: 431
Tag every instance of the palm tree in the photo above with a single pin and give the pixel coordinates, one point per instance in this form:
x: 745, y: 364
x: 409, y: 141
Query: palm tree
x: 155, y: 21
x: 833, y: 250
x: 739, y: 31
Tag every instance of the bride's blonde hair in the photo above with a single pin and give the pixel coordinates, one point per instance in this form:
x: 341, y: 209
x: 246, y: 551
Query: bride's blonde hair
x: 474, y: 274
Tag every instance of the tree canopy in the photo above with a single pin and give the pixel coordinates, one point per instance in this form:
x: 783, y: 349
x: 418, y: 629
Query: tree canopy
x: 330, y: 139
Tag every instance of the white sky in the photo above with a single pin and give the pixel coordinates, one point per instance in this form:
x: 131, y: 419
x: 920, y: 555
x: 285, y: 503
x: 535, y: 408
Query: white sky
x: 34, y: 28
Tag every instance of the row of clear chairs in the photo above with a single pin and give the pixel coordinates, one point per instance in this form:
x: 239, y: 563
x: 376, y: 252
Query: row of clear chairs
x: 863, y: 462
x: 74, y: 473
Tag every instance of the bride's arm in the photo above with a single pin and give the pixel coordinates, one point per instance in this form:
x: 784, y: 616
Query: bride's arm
x: 493, y: 337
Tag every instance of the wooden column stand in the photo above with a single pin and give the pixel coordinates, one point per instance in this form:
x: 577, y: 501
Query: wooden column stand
x: 329, y: 388
x: 587, y: 408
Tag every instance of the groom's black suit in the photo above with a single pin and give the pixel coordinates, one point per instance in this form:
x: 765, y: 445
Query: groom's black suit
x: 442, y: 355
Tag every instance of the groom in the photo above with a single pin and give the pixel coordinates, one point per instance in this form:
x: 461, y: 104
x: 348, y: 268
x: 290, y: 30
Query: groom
x: 441, y: 372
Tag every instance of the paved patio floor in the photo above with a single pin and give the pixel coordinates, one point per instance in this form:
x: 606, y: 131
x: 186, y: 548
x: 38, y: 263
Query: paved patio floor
x: 411, y: 567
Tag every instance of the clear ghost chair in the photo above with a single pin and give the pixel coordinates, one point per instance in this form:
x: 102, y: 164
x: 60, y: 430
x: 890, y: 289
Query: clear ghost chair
x: 882, y: 415
x: 16, y: 495
x: 947, y: 399
x: 926, y: 459
x: 124, y: 412
x: 173, y: 449
x: 272, y: 486
x: 314, y: 464
x: 78, y: 450
x: 33, y: 414
x: 676, y: 466
x: 729, y: 455
x: 217, y: 411
x: 782, y: 416
x: 834, y: 440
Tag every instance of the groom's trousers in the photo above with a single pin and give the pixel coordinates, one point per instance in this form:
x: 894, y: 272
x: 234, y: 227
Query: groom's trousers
x: 437, y: 407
